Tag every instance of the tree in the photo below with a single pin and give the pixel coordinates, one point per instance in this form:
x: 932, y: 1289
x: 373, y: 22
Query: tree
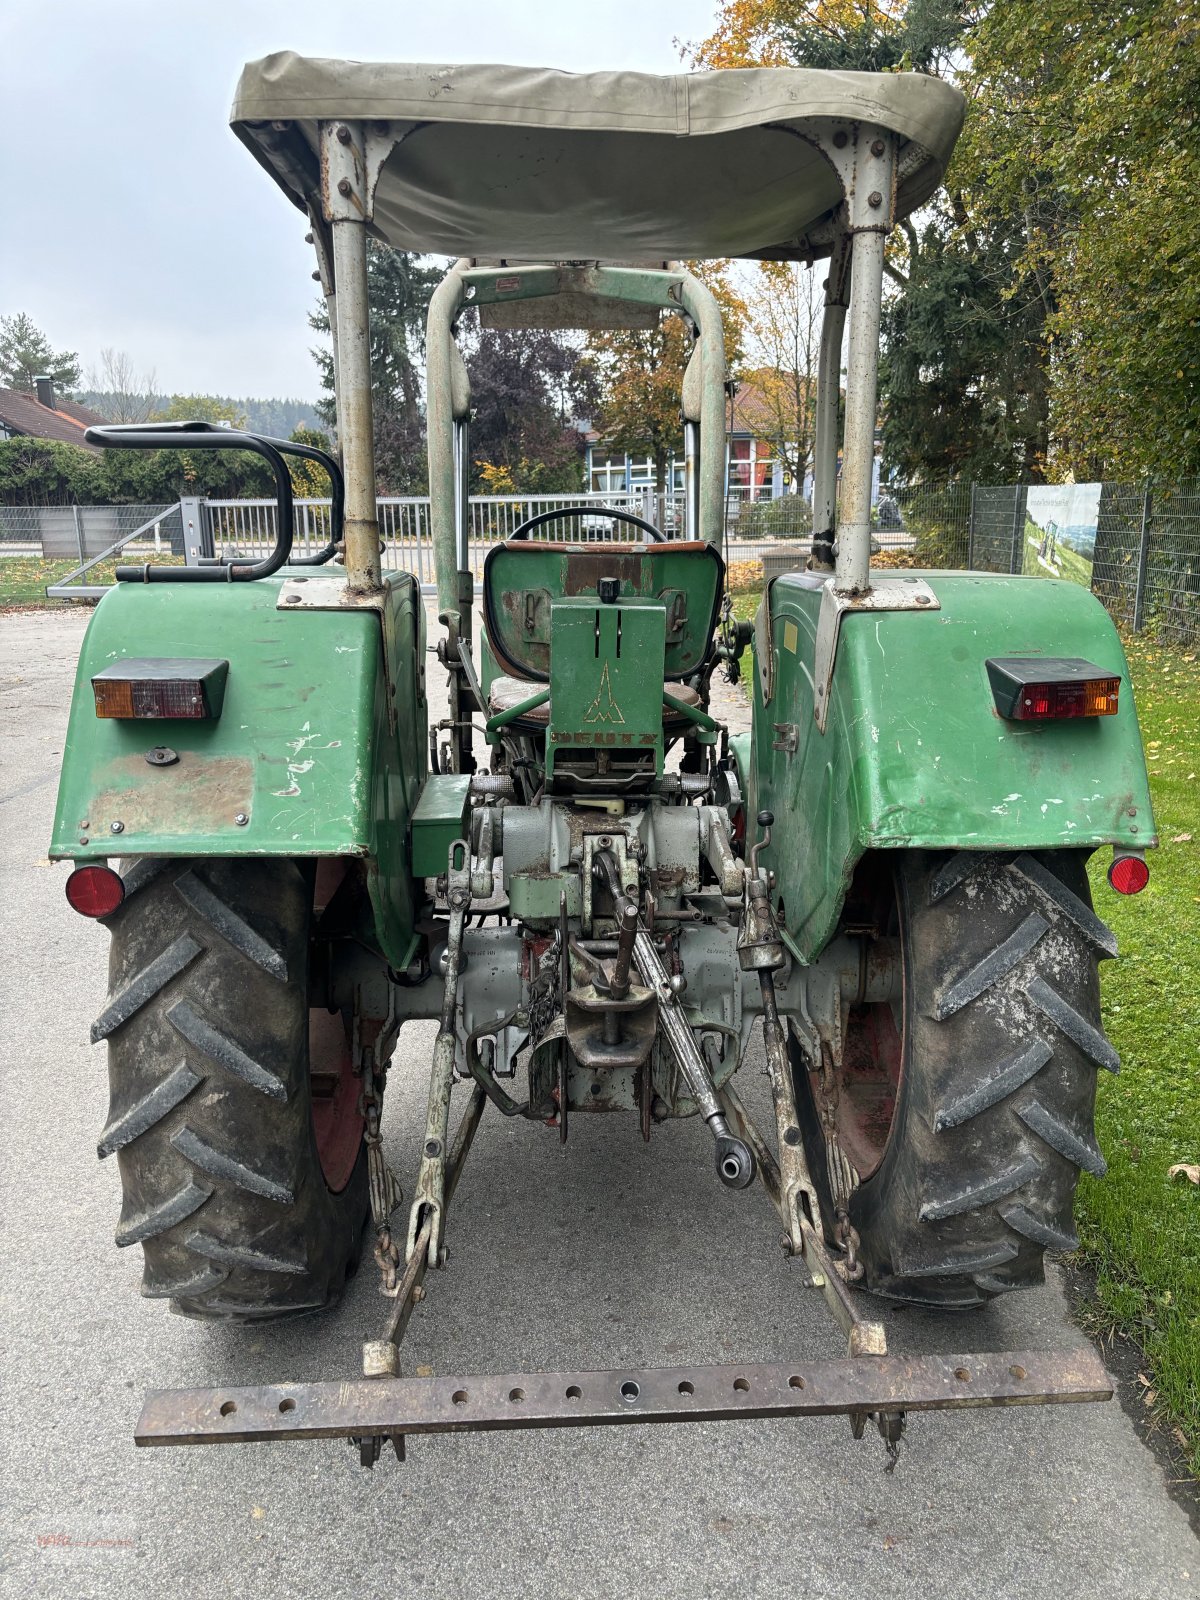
x: 399, y: 287
x: 43, y: 472
x: 129, y: 395
x: 640, y: 375
x: 783, y: 338
x: 1092, y: 135
x: 527, y: 389
x: 26, y: 354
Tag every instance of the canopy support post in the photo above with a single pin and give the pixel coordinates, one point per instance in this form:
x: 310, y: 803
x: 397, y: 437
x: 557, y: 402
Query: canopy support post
x: 346, y: 195
x: 865, y: 160
x: 825, y: 440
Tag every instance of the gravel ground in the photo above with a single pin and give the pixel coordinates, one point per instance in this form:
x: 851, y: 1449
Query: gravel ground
x: 605, y: 1253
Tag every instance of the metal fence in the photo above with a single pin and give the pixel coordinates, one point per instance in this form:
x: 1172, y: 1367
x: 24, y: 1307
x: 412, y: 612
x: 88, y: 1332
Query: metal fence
x: 65, y: 533
x: 1146, y: 566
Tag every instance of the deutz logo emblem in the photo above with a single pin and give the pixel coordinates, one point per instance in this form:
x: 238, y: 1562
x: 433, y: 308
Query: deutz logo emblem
x: 604, y: 708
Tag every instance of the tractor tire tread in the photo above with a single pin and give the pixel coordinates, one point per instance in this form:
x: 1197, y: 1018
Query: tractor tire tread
x: 210, y: 1102
x: 995, y: 1116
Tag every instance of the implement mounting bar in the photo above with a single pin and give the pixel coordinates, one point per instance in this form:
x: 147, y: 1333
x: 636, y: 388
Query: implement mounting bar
x: 397, y: 1406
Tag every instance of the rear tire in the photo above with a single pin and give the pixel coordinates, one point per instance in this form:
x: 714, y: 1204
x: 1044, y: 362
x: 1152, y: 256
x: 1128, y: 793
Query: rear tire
x: 997, y: 1046
x: 211, y: 1114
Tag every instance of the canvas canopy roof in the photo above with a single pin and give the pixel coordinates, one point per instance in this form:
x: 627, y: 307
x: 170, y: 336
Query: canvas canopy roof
x: 530, y: 163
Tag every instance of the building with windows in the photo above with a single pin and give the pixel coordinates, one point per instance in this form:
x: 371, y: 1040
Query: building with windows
x: 755, y: 472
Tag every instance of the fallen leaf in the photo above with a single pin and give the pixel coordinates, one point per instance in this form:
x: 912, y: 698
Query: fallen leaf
x: 1189, y: 1169
x: 257, y: 1513
x: 1182, y: 838
x: 424, y: 1372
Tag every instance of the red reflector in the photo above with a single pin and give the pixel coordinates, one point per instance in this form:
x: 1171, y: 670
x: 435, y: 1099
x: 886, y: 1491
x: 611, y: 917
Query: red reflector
x: 95, y: 891
x: 1129, y: 874
x: 1094, y: 697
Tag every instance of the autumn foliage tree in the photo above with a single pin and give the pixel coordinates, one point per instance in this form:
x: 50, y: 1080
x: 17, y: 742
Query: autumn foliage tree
x: 640, y: 375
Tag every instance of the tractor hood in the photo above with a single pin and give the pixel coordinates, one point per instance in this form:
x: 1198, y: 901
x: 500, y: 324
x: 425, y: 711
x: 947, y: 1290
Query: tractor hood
x: 531, y: 163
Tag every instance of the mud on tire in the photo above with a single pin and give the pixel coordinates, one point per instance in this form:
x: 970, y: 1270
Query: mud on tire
x: 207, y: 1024
x: 1000, y: 1046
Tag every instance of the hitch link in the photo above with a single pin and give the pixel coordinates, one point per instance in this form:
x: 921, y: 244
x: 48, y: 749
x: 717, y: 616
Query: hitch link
x: 428, y: 1196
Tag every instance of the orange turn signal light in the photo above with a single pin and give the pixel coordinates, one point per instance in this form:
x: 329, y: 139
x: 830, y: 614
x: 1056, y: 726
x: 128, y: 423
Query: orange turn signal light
x: 157, y: 688
x: 1048, y: 688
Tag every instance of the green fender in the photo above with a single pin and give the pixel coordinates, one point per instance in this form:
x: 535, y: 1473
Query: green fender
x: 316, y: 749
x: 915, y: 755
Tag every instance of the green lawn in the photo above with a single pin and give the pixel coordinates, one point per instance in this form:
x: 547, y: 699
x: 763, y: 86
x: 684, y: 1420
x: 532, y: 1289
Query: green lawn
x: 23, y: 579
x: 1140, y: 1229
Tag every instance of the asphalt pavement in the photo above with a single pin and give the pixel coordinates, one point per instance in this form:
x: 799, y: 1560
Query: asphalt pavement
x: 606, y: 1253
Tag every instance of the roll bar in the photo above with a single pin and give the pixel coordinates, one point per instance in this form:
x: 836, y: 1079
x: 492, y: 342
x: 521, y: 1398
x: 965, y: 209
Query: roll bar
x: 449, y: 396
x: 212, y: 436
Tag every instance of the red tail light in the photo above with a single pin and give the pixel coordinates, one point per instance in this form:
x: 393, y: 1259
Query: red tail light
x: 1046, y: 688
x: 1128, y: 874
x: 161, y: 688
x: 95, y: 891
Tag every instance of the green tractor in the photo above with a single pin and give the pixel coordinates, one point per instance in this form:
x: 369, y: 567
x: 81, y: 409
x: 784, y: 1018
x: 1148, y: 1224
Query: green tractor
x: 595, y: 888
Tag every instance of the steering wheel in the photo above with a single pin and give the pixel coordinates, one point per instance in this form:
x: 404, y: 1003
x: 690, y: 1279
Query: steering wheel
x: 648, y: 528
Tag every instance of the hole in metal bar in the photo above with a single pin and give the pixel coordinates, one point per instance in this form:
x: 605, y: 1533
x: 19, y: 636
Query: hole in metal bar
x: 228, y: 1407
x: 963, y: 1373
x: 630, y: 1391
x: 687, y: 1388
x: 459, y: 1397
x: 574, y: 1392
x: 516, y: 1394
x: 287, y: 1405
x: 795, y: 1382
x: 742, y: 1385
x: 1018, y: 1372
x: 731, y: 1167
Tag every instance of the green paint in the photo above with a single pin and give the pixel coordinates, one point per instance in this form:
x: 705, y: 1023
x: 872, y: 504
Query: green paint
x: 439, y: 819
x: 315, y: 747
x: 915, y: 756
x: 606, y: 678
x: 535, y: 896
x: 523, y: 580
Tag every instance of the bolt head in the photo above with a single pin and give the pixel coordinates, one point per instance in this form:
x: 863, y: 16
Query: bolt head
x: 840, y: 139
x: 241, y: 819
x: 877, y: 147
x: 875, y: 199
x: 343, y: 134
x: 344, y: 187
x: 116, y: 827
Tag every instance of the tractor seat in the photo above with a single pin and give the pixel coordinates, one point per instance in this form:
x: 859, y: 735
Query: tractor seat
x: 508, y: 692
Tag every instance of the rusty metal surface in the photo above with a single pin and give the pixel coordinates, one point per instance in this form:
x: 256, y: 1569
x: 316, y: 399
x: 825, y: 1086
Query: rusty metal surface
x: 665, y: 1394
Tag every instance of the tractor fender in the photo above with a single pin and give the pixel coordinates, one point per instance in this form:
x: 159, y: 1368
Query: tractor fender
x: 319, y: 748
x: 915, y: 754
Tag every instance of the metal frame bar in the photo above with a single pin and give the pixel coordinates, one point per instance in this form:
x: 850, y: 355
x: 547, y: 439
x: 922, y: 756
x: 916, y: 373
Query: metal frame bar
x: 394, y: 1407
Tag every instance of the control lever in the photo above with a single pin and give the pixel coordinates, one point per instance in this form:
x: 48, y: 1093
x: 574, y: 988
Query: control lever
x: 735, y: 1160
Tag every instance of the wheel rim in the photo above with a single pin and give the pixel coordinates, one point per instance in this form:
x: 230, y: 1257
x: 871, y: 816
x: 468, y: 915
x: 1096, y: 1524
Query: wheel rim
x: 337, y: 1118
x: 873, y: 1052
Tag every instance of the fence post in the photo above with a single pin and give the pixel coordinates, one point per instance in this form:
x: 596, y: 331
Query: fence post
x: 79, y: 535
x: 1016, y: 560
x: 197, y: 531
x: 971, y: 533
x: 1139, y: 593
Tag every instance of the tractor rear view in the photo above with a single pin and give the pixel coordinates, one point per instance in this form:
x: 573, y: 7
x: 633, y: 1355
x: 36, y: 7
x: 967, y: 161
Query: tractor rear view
x: 599, y: 893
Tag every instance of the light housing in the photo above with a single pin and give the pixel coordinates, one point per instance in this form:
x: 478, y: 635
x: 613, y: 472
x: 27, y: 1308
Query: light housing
x: 161, y: 687
x: 95, y: 891
x: 1128, y: 873
x: 1051, y: 688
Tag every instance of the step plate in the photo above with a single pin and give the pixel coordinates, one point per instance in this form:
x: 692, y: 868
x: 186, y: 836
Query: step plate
x: 388, y: 1406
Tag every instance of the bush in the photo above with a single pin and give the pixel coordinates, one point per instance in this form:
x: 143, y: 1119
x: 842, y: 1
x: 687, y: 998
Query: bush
x: 788, y: 517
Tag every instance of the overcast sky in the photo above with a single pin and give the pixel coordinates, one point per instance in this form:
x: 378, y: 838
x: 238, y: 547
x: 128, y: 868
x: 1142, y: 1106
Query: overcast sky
x: 130, y: 215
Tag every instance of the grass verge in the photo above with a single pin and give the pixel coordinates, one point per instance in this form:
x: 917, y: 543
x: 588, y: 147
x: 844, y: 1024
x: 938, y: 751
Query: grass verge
x: 23, y: 579
x: 1139, y: 1227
